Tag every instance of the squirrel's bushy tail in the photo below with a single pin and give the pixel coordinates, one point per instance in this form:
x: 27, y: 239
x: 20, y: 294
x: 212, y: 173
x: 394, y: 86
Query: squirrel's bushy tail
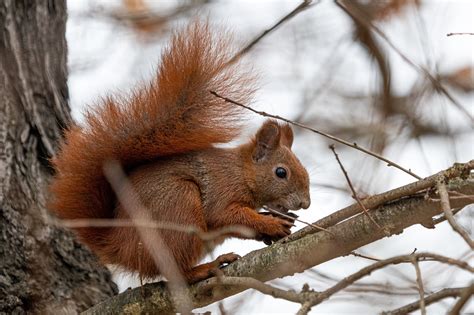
x: 173, y: 114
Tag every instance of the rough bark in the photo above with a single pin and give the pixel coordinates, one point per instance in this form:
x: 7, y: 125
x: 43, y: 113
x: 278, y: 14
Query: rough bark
x: 42, y: 268
x: 284, y: 259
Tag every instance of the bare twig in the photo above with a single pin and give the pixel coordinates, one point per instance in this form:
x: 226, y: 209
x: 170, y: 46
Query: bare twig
x: 364, y: 256
x: 466, y: 294
x: 251, y: 283
x: 159, y: 251
x: 296, y: 219
x: 305, y: 297
x: 458, y: 194
x: 387, y: 288
x: 352, y: 145
x: 465, y: 33
x: 354, y: 194
x: 454, y: 198
x: 150, y: 224
x: 445, y: 205
x: 419, y: 282
x: 430, y: 299
x: 301, y: 7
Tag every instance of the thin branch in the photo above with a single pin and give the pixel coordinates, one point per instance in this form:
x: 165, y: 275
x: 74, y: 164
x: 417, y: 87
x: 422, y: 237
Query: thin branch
x: 301, y: 7
x: 466, y: 294
x: 352, y: 145
x: 419, y: 282
x: 364, y: 256
x: 354, y: 194
x: 296, y: 219
x: 462, y: 195
x: 251, y: 283
x: 156, y: 247
x: 151, y: 224
x: 454, y: 198
x: 430, y: 299
x: 445, y: 205
x: 452, y: 34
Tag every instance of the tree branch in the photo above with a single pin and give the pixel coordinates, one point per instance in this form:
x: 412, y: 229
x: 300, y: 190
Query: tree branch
x: 419, y: 282
x: 445, y: 293
x: 354, y: 193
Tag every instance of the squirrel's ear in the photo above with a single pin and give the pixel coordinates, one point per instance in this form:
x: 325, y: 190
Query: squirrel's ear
x: 267, y: 139
x: 286, y: 138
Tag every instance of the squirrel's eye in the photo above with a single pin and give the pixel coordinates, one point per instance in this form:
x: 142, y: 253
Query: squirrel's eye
x: 280, y: 172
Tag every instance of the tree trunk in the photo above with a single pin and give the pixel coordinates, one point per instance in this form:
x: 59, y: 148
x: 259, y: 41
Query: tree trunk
x: 42, y: 268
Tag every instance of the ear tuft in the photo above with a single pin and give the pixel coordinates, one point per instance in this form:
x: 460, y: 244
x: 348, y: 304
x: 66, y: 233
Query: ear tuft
x: 267, y: 139
x: 286, y: 135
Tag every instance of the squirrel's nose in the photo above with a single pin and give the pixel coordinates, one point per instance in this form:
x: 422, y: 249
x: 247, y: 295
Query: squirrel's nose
x: 305, y: 203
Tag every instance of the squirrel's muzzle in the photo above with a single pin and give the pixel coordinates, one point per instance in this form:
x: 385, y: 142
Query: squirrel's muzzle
x: 305, y: 203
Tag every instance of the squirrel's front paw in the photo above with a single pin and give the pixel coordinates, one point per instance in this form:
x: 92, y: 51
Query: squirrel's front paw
x: 289, y: 216
x: 221, y: 262
x: 226, y: 259
x: 275, y: 228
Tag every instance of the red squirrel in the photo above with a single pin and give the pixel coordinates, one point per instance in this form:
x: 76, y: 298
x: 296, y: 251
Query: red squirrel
x: 164, y: 136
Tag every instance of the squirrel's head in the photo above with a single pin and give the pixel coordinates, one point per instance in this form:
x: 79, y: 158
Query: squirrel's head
x: 281, y: 182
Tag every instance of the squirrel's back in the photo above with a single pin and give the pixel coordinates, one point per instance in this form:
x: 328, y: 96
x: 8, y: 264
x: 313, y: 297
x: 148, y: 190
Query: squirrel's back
x: 173, y: 114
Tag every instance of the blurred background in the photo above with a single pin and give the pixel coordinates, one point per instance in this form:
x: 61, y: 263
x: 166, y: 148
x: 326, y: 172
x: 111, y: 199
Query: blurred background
x: 394, y: 83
